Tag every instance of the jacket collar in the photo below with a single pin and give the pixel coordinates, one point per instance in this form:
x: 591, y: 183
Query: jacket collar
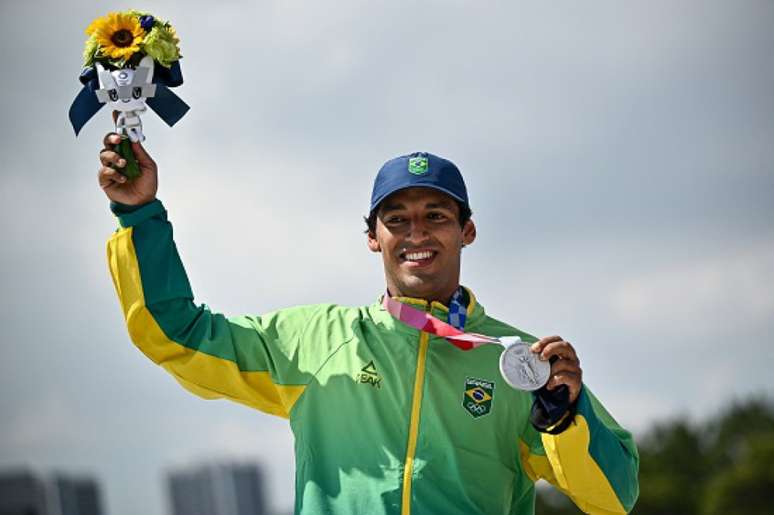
x: 439, y: 310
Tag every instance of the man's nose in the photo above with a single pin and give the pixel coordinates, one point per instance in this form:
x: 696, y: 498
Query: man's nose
x: 418, y: 229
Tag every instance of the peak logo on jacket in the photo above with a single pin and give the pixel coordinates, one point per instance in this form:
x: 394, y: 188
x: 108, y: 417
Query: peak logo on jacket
x: 369, y: 375
x: 477, y: 399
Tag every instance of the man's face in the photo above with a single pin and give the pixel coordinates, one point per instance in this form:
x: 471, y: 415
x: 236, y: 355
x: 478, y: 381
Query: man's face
x: 419, y: 235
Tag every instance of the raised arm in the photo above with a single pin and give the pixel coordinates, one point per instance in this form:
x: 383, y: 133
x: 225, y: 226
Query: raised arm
x: 252, y: 360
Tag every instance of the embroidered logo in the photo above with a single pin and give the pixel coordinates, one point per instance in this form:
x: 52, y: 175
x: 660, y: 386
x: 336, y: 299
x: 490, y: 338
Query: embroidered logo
x: 369, y: 375
x: 477, y: 399
x: 418, y: 165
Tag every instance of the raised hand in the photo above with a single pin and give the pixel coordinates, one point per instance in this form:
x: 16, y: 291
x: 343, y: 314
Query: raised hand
x: 564, y: 370
x: 116, y: 186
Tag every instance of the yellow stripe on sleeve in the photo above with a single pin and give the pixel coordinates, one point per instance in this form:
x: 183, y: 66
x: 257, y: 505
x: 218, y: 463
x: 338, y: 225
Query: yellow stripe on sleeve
x: 205, y: 375
x: 576, y: 472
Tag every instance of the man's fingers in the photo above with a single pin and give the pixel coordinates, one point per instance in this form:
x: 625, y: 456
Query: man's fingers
x: 565, y: 365
x: 561, y: 349
x: 109, y: 177
x: 111, y: 138
x: 541, y: 343
x: 110, y: 158
x: 571, y: 379
x: 564, y: 377
x: 564, y: 370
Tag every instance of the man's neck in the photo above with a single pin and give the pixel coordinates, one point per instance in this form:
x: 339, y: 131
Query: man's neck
x: 443, y: 297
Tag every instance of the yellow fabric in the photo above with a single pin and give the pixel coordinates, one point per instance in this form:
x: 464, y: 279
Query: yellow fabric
x: 414, y: 424
x: 215, y: 377
x: 439, y: 305
x: 417, y: 398
x: 535, y: 466
x: 576, y: 473
x: 472, y: 302
x: 412, y: 300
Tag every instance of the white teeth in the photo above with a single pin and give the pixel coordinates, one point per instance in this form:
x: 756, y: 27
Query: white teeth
x: 416, y: 256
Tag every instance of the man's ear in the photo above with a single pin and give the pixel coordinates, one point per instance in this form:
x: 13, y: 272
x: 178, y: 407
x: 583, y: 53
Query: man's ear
x: 373, y: 243
x: 468, y: 232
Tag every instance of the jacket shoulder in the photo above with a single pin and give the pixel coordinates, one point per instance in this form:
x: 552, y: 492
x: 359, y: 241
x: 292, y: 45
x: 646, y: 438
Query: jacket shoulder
x: 293, y: 325
x: 493, y: 327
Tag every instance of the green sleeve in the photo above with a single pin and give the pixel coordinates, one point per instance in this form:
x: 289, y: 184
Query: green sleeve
x: 594, y: 461
x: 254, y: 360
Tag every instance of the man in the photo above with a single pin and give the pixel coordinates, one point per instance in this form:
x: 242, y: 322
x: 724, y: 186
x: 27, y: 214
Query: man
x: 387, y: 418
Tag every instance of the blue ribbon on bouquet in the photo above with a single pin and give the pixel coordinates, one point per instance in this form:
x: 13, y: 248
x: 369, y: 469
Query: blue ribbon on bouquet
x: 164, y: 103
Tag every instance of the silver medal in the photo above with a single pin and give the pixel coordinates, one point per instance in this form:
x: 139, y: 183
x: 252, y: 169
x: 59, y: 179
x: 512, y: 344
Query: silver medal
x: 520, y: 367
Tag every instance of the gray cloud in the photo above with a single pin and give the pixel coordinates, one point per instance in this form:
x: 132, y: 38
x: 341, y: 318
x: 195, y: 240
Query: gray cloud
x: 618, y: 158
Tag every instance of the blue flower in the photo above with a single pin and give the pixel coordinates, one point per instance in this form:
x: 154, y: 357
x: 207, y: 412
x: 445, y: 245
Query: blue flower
x: 146, y: 22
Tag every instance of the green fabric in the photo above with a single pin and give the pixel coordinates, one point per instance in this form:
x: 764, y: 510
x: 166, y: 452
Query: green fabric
x: 351, y: 424
x: 607, y: 443
x: 133, y: 215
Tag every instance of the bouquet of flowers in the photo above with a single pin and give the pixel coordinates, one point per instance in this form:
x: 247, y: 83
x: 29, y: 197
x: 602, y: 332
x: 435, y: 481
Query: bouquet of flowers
x: 130, y: 58
x: 122, y: 39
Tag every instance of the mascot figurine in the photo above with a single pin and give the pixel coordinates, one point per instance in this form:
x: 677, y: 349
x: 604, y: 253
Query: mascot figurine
x: 131, y: 59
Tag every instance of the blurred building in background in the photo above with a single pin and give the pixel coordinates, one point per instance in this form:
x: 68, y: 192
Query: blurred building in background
x: 73, y: 496
x: 25, y: 493
x: 218, y: 489
x: 21, y: 493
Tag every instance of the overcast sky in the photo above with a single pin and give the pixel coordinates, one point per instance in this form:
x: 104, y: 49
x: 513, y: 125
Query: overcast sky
x: 619, y: 160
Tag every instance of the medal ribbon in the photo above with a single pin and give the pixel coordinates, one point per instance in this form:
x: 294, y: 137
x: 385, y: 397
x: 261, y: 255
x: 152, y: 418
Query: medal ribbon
x: 551, y: 410
x: 426, y: 322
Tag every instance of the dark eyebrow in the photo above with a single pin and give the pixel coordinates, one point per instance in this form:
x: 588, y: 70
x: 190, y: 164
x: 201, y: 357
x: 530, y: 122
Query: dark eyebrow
x: 443, y: 204
x: 386, y: 208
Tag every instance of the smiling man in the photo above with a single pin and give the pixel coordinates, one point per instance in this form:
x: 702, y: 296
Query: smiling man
x: 388, y: 416
x: 420, y: 232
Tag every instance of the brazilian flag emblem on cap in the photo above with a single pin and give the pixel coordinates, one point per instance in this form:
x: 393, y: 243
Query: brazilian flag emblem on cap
x: 418, y: 165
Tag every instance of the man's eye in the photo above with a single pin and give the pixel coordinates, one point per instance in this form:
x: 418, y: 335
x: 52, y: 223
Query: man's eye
x: 394, y: 220
x: 437, y: 216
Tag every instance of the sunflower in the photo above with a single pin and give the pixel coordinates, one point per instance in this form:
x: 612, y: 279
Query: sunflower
x: 119, y: 35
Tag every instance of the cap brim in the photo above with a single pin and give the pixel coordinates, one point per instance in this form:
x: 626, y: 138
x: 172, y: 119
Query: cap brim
x: 430, y: 186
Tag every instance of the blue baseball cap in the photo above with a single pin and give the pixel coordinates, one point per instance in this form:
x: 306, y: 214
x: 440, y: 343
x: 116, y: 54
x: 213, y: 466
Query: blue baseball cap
x: 420, y: 169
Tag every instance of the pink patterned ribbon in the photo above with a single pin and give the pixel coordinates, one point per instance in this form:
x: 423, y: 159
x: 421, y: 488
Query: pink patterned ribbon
x: 426, y: 322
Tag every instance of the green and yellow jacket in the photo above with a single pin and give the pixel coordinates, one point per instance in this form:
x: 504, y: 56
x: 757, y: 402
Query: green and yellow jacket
x: 387, y: 419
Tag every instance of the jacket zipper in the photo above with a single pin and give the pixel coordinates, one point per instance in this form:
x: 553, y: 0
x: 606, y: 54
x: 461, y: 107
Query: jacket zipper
x: 416, y: 404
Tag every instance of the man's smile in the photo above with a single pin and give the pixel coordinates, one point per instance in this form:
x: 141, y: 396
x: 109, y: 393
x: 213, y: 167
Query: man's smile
x: 418, y: 257
x: 419, y: 232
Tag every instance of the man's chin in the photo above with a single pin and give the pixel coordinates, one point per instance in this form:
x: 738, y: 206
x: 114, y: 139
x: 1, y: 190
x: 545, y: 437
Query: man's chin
x: 419, y: 287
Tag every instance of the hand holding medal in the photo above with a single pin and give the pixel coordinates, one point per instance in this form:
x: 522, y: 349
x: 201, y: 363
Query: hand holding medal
x: 131, y: 59
x: 564, y: 365
x: 549, y: 362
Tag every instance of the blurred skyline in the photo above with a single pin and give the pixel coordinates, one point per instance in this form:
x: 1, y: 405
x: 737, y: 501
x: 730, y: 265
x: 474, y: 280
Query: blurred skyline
x: 619, y: 160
